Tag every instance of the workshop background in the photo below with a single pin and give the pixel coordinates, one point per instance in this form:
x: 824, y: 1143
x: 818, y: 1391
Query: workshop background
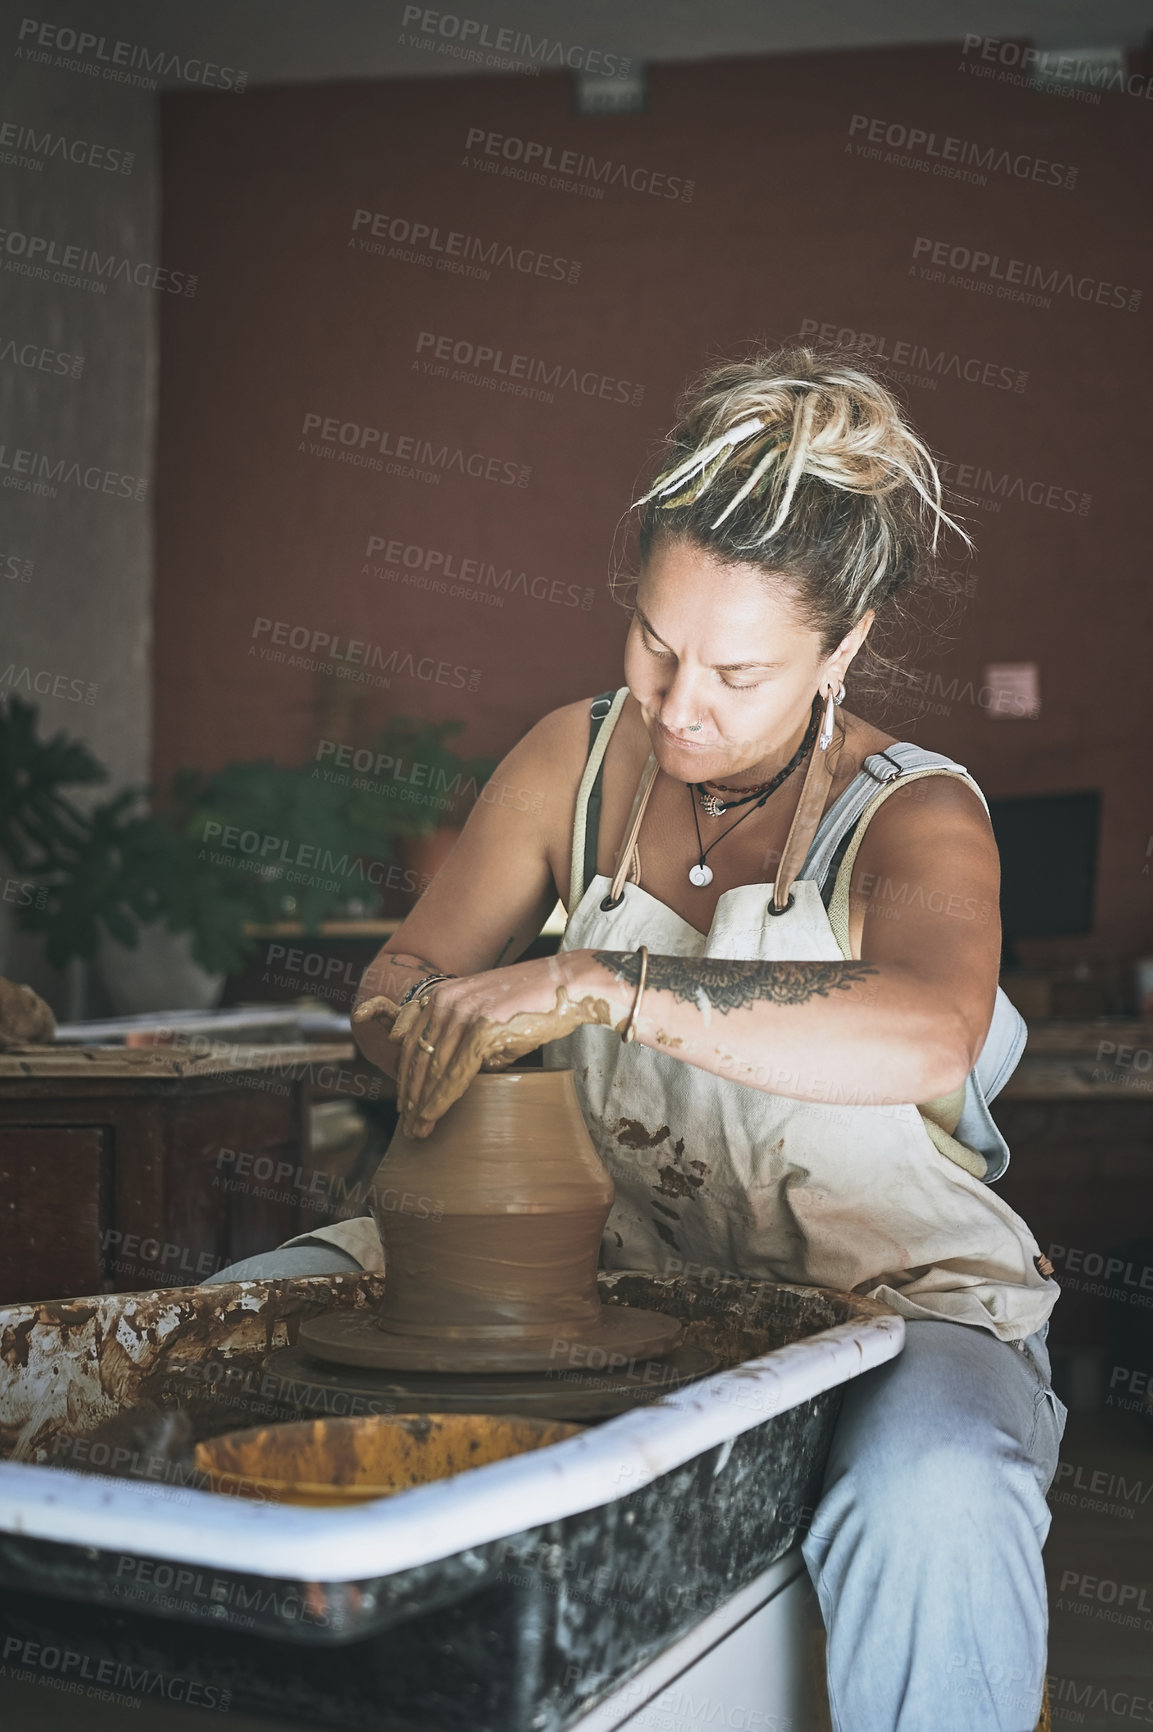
x: 335, y: 346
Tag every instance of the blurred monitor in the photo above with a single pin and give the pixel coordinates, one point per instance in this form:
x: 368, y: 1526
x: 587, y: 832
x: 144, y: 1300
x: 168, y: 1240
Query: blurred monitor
x: 1048, y: 848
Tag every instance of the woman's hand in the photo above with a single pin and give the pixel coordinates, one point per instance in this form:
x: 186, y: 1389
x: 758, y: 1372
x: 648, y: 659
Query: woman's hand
x: 482, y: 1022
x: 372, y: 1021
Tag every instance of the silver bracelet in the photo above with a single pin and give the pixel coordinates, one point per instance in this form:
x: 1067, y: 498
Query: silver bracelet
x: 419, y: 986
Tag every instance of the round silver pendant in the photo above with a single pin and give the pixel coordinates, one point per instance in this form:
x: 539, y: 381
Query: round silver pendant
x: 700, y: 875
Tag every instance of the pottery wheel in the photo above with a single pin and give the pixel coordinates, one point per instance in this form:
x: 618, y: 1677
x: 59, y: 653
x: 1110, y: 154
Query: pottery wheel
x: 624, y: 1336
x: 295, y: 1381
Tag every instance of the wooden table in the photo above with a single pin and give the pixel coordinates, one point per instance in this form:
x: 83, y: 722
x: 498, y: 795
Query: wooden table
x: 126, y: 1168
x: 1110, y: 1058
x: 1078, y: 1117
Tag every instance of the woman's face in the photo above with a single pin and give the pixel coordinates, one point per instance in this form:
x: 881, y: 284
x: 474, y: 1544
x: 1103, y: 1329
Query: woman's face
x: 723, y: 646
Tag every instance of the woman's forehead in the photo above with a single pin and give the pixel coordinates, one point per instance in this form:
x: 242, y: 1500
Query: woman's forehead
x: 683, y: 587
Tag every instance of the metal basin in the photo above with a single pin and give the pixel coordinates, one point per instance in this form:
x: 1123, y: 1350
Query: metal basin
x: 508, y: 1599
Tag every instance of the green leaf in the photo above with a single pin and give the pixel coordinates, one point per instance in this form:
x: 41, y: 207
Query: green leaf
x: 191, y: 866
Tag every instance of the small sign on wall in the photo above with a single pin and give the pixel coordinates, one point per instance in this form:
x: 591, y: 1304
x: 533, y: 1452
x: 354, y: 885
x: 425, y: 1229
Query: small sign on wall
x: 1013, y: 691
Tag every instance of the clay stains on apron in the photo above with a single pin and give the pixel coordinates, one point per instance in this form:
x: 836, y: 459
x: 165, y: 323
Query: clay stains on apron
x: 674, y: 1183
x: 631, y: 1134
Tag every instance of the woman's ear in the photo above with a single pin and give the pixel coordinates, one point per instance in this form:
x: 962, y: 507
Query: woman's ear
x: 856, y: 637
x: 837, y: 663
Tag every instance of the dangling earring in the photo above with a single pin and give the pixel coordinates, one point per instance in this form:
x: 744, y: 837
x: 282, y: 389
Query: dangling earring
x: 825, y: 738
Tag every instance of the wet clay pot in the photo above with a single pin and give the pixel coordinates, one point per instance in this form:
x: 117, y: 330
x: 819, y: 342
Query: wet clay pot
x: 491, y: 1228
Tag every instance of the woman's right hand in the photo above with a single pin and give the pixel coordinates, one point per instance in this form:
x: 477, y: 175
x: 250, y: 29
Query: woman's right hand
x: 496, y: 889
x: 486, y: 1021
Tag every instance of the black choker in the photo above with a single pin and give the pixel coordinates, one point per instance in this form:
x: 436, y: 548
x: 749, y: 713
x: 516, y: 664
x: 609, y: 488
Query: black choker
x: 700, y: 874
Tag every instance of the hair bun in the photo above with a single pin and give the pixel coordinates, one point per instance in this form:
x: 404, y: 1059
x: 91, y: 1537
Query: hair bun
x: 821, y: 415
x: 801, y: 461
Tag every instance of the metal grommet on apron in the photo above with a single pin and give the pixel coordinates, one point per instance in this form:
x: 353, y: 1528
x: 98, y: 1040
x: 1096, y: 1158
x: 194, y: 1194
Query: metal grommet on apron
x: 723, y: 1177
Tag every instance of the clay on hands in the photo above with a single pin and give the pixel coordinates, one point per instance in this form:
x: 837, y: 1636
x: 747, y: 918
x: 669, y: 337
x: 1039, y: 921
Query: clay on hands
x: 426, y: 1091
x: 371, y: 1021
x: 372, y: 1008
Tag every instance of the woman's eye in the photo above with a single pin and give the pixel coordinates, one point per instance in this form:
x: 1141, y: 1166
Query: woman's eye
x: 730, y: 685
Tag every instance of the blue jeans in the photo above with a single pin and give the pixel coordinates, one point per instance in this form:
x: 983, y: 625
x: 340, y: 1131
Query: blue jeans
x: 287, y: 1262
x: 925, y: 1545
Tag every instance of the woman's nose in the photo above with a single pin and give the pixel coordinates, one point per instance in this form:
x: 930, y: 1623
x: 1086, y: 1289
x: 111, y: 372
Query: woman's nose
x: 682, y: 706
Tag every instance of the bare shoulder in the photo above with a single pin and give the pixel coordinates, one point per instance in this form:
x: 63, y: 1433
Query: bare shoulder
x: 943, y: 794
x: 932, y: 816
x: 561, y: 740
x: 563, y: 731
x: 933, y: 800
x: 551, y: 758
x: 555, y: 749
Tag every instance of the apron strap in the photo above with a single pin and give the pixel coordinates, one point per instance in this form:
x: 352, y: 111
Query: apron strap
x: 806, y: 818
x: 586, y: 820
x: 627, y: 863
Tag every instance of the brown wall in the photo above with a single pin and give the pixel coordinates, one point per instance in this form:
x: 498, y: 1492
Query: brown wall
x: 786, y: 223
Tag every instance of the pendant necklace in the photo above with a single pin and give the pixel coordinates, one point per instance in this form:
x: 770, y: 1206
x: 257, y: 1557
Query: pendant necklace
x: 701, y: 874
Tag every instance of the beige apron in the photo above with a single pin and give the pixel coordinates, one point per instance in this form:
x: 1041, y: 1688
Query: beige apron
x: 714, y: 1177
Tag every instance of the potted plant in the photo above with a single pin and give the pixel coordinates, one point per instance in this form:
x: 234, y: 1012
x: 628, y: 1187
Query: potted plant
x: 108, y: 872
x: 424, y: 788
x: 244, y: 845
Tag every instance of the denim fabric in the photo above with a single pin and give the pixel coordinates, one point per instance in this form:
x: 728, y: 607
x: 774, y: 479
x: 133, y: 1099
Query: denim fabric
x: 287, y: 1261
x: 925, y: 1544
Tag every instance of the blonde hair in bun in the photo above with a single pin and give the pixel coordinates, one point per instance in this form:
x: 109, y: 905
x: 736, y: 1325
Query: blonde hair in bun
x: 801, y: 462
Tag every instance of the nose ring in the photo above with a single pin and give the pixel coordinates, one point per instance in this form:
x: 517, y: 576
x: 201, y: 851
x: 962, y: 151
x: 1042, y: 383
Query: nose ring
x: 695, y: 727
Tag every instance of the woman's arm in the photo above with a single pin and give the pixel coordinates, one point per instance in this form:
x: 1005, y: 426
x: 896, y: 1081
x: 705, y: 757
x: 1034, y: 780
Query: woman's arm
x: 495, y: 890
x: 904, y: 1023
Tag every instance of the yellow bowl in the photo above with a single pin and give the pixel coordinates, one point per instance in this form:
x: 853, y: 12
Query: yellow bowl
x: 336, y: 1461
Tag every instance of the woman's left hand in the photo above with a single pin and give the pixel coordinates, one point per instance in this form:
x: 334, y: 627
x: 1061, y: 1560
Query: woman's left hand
x: 484, y: 1022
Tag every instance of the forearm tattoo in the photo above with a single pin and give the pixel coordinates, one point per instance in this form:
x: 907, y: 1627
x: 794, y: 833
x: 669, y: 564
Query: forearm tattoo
x: 381, y: 975
x: 728, y: 984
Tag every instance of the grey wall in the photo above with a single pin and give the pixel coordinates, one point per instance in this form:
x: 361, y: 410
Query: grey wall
x: 75, y: 564
x: 85, y: 611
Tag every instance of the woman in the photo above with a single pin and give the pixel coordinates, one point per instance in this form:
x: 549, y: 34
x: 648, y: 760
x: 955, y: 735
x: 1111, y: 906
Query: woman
x: 789, y: 919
